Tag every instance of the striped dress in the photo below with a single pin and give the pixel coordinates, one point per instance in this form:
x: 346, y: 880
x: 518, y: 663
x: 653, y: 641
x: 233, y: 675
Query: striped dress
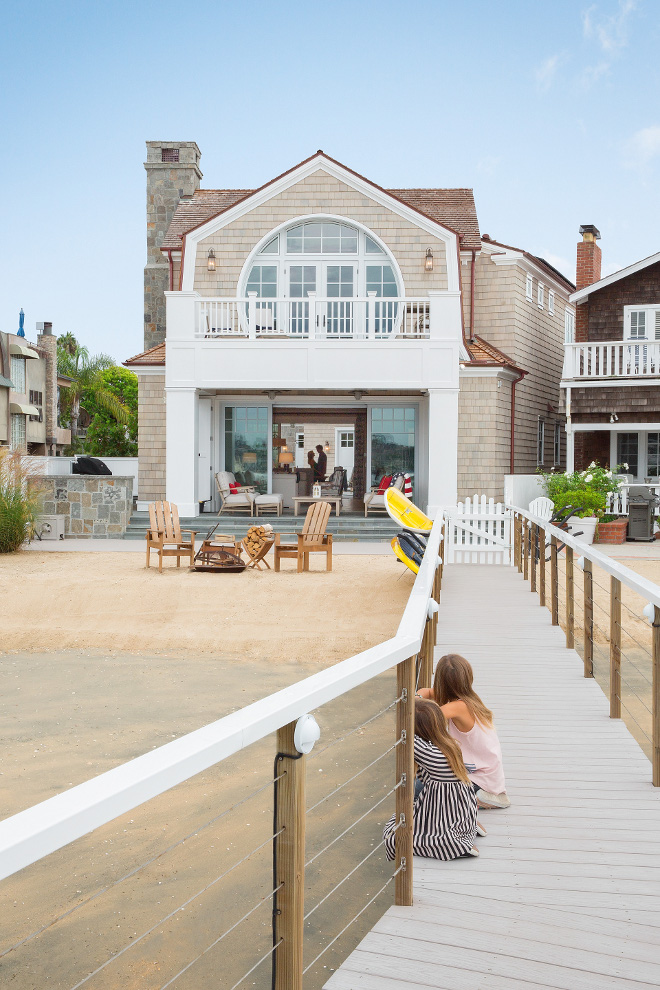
x: 445, y: 813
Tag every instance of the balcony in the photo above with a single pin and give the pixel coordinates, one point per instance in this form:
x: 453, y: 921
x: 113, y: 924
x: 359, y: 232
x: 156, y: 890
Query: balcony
x: 312, y: 318
x: 612, y: 359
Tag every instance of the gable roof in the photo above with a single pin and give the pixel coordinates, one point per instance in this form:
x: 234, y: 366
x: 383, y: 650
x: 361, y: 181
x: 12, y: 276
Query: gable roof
x: 154, y: 355
x: 541, y: 262
x: 483, y: 353
x: 452, y: 208
x: 583, y: 294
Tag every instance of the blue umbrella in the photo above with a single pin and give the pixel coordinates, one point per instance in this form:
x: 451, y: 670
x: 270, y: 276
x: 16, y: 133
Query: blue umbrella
x: 21, y: 321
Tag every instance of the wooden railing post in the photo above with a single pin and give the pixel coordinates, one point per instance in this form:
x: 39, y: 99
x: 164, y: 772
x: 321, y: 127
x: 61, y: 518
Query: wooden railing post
x: 554, y: 585
x: 655, y: 707
x: 615, y: 648
x: 588, y: 619
x: 426, y: 656
x: 542, y: 567
x: 570, y: 605
x: 290, y: 862
x: 525, y: 543
x: 532, y: 582
x: 405, y: 767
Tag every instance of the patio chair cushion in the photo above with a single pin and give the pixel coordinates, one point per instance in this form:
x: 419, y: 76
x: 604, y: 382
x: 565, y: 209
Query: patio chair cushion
x: 274, y: 498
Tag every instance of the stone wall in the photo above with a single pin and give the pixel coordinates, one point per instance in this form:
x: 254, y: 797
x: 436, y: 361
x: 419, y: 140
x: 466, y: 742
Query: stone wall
x: 93, y: 505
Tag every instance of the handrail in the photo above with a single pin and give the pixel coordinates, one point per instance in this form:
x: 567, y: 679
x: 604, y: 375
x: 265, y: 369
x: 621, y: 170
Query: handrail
x: 53, y: 823
x: 647, y: 589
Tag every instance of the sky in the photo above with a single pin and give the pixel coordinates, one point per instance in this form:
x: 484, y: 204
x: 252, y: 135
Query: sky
x: 549, y: 111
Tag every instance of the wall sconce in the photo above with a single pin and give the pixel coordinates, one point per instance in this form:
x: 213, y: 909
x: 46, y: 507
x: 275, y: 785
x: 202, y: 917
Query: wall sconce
x: 428, y: 262
x: 326, y: 446
x: 210, y: 261
x: 614, y: 418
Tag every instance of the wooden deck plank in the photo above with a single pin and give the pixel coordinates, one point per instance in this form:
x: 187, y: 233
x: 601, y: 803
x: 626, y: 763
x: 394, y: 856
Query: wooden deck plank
x: 566, y: 892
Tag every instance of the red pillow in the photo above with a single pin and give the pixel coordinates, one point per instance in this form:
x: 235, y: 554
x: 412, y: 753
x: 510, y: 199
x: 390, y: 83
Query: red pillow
x: 385, y: 483
x: 233, y: 487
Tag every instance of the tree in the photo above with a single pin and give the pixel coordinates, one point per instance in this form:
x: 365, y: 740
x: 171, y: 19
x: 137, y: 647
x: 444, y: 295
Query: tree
x: 85, y: 372
x: 106, y: 437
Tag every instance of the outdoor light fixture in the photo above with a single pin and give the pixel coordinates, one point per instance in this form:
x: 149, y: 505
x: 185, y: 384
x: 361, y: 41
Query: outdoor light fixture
x: 210, y: 261
x: 649, y: 612
x: 358, y: 394
x: 428, y: 263
x: 306, y: 733
x: 327, y: 446
x: 614, y: 418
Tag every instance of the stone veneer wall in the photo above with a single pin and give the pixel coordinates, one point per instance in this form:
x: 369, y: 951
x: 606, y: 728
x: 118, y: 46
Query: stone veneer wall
x: 93, y: 505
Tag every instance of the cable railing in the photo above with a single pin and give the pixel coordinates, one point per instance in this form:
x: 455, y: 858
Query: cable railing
x: 618, y: 639
x: 271, y: 908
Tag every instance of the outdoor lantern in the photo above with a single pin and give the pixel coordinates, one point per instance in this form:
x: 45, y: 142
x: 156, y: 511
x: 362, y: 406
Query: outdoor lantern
x: 428, y: 263
x: 210, y: 264
x: 649, y: 612
x: 327, y: 446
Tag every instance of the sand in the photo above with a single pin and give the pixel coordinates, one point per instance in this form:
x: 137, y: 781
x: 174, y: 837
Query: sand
x: 55, y: 601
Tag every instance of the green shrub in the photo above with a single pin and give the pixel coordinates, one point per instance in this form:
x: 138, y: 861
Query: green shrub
x: 586, y: 503
x: 20, y: 499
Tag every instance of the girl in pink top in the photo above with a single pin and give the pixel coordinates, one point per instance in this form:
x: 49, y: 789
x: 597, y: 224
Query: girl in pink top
x: 470, y: 723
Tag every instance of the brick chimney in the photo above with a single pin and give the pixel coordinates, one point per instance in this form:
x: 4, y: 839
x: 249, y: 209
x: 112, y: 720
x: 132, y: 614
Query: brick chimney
x: 587, y: 272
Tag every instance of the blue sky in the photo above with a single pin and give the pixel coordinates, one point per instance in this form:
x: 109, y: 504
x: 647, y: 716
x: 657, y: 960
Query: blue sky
x: 550, y: 111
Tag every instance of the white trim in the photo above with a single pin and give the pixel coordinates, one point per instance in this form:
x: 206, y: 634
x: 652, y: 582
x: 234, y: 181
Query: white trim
x: 147, y: 369
x: 650, y: 381
x: 511, y: 256
x: 319, y: 163
x: 612, y: 427
x: 488, y: 372
x: 582, y: 294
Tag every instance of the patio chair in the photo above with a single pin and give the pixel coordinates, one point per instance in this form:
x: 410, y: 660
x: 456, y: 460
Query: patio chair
x: 165, y: 535
x: 239, y: 500
x: 374, y: 501
x: 312, y: 539
x: 335, y: 484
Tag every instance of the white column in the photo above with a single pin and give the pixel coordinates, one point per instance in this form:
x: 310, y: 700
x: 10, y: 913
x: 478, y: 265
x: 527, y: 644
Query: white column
x: 570, y: 449
x: 182, y: 419
x: 442, y: 449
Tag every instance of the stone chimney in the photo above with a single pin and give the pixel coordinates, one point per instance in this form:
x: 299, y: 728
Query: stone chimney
x: 172, y: 173
x: 47, y: 343
x: 587, y: 272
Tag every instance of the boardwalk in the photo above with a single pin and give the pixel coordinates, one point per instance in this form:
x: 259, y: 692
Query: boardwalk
x: 566, y: 892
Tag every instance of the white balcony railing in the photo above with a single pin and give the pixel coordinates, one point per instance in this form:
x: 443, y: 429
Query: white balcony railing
x: 612, y: 359
x: 313, y: 318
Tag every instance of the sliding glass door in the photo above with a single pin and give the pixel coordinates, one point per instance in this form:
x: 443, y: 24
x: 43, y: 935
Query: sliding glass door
x: 246, y: 444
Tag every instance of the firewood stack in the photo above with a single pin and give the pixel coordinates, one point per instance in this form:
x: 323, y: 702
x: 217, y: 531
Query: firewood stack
x: 256, y: 537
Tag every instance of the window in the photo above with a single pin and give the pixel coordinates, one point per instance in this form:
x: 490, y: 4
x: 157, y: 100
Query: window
x: 551, y: 302
x: 653, y: 455
x: 322, y: 238
x: 569, y: 326
x: 37, y: 399
x: 529, y: 287
x: 557, y: 451
x: 539, y: 295
x: 18, y: 373
x: 627, y: 452
x: 641, y: 323
x: 540, y: 441
x: 246, y: 445
x: 263, y: 281
x: 392, y: 441
x: 17, y: 441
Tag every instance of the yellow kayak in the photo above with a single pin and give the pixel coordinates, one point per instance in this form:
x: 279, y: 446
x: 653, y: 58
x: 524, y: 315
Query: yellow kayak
x: 405, y: 513
x: 402, y: 556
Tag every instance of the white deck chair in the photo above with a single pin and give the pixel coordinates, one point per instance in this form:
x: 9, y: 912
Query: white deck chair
x: 543, y: 508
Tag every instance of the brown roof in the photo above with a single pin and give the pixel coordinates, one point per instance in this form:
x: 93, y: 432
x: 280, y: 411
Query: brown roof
x: 453, y: 208
x: 155, y: 355
x: 541, y: 262
x: 481, y: 352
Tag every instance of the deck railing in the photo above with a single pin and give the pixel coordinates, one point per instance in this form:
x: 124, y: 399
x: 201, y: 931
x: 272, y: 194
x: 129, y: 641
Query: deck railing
x: 313, y: 318
x: 31, y: 835
x: 611, y: 616
x: 612, y: 359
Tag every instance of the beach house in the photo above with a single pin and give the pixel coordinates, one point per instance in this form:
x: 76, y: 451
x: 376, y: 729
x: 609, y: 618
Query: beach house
x: 378, y: 323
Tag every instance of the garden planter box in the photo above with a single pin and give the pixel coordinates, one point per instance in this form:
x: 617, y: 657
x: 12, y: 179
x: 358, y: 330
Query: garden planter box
x: 612, y: 532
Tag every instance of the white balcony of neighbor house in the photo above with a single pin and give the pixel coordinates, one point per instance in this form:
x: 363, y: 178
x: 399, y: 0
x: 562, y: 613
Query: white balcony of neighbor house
x: 315, y: 342
x: 592, y: 362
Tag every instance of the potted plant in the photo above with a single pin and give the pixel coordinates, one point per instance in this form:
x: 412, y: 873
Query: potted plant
x: 587, y: 491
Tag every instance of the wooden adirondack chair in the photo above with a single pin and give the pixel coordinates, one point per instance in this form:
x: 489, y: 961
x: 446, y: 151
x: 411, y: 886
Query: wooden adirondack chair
x: 313, y: 539
x: 165, y: 535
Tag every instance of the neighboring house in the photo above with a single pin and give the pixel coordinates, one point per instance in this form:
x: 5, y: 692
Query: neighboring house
x: 612, y: 365
x: 323, y: 300
x: 29, y: 393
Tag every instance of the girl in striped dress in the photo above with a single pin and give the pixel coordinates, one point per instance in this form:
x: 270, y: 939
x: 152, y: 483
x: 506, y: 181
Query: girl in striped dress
x: 445, y: 811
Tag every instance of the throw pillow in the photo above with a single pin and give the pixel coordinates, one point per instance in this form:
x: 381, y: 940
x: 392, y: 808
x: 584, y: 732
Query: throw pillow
x: 385, y: 483
x: 233, y: 487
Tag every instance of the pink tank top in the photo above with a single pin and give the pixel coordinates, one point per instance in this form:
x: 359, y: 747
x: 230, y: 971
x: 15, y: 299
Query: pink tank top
x: 481, y: 748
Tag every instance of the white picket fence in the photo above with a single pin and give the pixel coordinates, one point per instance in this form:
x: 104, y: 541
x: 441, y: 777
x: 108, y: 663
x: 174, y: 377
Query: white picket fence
x: 478, y: 532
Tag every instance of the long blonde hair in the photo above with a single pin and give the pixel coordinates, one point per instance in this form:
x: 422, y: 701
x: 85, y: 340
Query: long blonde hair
x: 453, y: 682
x: 431, y: 725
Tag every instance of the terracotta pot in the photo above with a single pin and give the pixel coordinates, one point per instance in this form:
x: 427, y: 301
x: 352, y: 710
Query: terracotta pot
x: 612, y: 532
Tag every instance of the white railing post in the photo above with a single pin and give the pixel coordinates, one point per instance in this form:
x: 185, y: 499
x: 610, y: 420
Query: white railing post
x: 313, y: 315
x: 252, y: 314
x: 370, y: 315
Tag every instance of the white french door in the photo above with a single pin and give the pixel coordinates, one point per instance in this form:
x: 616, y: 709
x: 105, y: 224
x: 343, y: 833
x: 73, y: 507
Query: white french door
x: 340, y: 281
x: 335, y: 283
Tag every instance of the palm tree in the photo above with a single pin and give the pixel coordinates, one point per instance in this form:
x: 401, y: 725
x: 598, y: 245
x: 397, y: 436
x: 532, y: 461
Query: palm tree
x: 74, y: 362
